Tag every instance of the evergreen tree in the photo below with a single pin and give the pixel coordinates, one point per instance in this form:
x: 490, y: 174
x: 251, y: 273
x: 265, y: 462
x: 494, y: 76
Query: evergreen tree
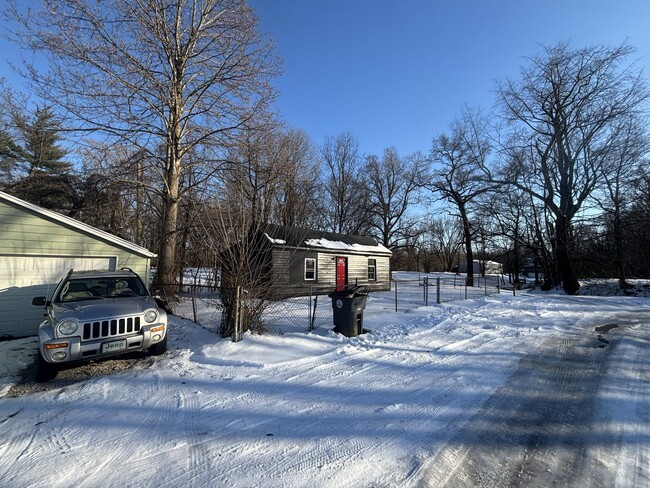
x: 10, y: 154
x: 32, y: 165
x: 41, y: 152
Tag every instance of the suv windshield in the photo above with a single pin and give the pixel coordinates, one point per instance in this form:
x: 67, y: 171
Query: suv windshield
x: 94, y: 288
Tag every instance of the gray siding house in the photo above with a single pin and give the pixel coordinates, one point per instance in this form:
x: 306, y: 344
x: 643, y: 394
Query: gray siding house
x: 325, y: 260
x: 38, y: 247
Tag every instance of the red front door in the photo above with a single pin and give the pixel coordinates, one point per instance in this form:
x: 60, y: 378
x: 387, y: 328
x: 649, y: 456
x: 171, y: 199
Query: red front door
x: 341, y: 272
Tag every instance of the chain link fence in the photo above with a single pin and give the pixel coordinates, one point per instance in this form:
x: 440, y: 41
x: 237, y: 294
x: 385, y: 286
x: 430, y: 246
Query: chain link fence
x: 438, y: 288
x: 202, y: 303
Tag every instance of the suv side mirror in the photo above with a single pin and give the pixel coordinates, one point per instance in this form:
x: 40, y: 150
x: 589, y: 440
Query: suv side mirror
x: 39, y: 301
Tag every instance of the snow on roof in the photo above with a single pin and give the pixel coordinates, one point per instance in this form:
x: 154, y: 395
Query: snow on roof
x: 342, y: 246
x: 275, y: 241
x: 85, y: 228
x: 297, y: 237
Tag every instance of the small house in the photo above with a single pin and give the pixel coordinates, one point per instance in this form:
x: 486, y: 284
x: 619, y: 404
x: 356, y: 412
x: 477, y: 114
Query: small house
x: 298, y: 259
x: 38, y: 247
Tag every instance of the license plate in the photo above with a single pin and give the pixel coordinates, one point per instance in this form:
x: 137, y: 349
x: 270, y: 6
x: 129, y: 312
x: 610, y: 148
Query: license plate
x: 114, y: 346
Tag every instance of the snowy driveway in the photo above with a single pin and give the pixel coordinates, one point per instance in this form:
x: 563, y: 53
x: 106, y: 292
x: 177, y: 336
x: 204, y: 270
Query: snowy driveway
x: 573, y: 413
x: 495, y: 392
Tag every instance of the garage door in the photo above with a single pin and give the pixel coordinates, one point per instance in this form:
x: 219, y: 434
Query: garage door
x: 25, y: 277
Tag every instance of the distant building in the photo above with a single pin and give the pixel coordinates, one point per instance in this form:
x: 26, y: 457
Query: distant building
x: 482, y: 267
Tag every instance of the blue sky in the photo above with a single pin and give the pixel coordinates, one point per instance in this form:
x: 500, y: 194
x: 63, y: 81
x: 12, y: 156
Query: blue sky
x: 397, y: 73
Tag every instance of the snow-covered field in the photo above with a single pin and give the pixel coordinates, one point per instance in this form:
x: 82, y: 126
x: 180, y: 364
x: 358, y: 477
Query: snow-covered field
x: 497, y: 391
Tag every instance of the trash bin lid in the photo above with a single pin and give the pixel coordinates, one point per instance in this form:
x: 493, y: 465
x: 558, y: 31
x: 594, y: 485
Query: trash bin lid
x: 347, y: 292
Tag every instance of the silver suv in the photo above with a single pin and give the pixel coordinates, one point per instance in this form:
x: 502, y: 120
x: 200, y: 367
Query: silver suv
x: 96, y: 314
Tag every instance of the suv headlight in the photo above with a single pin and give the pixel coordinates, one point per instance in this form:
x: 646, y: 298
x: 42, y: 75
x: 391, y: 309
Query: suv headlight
x: 150, y: 316
x: 67, y: 327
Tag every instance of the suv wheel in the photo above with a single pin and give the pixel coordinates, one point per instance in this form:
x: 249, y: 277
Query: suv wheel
x: 159, y: 347
x: 45, y: 371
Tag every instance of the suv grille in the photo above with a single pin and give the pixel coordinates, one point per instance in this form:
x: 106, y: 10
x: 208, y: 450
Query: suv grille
x: 109, y: 328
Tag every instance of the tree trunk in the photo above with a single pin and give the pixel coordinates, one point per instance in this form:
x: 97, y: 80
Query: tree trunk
x: 139, y: 229
x: 467, y: 233
x: 619, y: 252
x: 166, y: 273
x: 515, y: 257
x: 569, y: 281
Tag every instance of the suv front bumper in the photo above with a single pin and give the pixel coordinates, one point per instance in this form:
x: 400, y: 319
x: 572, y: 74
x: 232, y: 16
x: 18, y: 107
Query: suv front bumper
x: 70, y: 349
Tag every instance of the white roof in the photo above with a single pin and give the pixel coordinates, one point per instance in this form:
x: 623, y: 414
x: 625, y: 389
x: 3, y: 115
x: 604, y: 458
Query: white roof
x: 85, y: 228
x: 342, y: 246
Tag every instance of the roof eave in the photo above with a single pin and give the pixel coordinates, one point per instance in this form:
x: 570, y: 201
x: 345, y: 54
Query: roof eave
x: 80, y: 226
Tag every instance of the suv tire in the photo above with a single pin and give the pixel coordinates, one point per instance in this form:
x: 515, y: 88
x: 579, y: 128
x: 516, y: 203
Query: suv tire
x: 45, y: 371
x: 159, y: 348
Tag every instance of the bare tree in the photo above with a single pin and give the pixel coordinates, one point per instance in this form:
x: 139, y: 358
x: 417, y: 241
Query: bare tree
x: 345, y: 194
x: 459, y: 173
x: 122, y: 195
x: 252, y: 175
x: 618, y: 175
x: 392, y: 184
x: 564, y: 111
x: 233, y: 243
x: 297, y: 199
x: 170, y: 78
x: 521, y: 223
x: 636, y: 225
x: 442, y: 238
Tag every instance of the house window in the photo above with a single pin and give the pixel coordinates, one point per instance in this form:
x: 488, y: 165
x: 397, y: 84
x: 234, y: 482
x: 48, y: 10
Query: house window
x: 310, y: 269
x: 372, y: 270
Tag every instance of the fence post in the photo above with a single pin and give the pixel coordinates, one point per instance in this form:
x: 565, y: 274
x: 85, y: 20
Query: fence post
x: 311, y: 320
x: 395, y: 296
x: 423, y: 282
x: 194, y: 301
x: 236, y: 334
x: 313, y: 316
x: 438, y: 289
x: 426, y: 287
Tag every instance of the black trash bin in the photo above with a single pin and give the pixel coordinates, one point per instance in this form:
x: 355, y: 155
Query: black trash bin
x: 348, y: 306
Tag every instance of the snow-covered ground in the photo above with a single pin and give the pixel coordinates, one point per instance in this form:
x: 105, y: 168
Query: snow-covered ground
x: 499, y: 391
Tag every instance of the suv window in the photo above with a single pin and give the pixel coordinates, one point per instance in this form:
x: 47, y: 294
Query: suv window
x: 93, y: 288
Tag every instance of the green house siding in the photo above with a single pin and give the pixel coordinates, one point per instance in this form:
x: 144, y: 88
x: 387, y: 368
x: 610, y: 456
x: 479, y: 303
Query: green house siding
x: 24, y: 233
x: 36, y: 250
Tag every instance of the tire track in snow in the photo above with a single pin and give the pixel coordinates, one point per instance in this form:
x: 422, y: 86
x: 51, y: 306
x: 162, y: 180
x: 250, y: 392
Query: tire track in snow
x: 548, y: 395
x: 148, y: 420
x: 332, y: 452
x: 30, y: 446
